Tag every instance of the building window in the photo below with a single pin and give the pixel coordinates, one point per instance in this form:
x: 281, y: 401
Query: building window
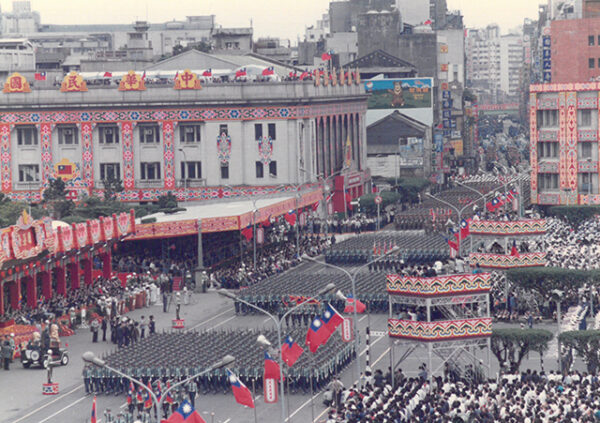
x: 585, y: 150
x: 67, y: 135
x: 599, y: 40
x: 586, y: 183
x: 191, y: 170
x: 591, y: 40
x: 109, y: 134
x: 29, y: 173
x: 150, y: 171
x: 223, y: 130
x: 584, y: 118
x: 272, y: 133
x: 548, y: 181
x: 260, y: 170
x: 27, y: 135
x: 224, y: 171
x: 273, y: 169
x: 149, y: 134
x: 110, y: 171
x: 547, y: 118
x: 189, y: 133
x: 548, y: 150
x: 591, y: 63
x: 258, y: 131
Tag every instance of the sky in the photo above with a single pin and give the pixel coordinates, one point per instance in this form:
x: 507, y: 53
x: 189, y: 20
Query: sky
x: 280, y: 18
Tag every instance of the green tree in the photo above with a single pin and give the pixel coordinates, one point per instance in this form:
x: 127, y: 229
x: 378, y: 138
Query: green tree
x: 112, y: 186
x: 587, y: 345
x: 546, y: 279
x: 167, y: 201
x: 510, y: 346
x: 55, y: 196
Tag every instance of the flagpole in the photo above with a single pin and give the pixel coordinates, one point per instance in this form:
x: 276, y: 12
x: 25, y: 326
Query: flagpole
x: 254, y: 399
x: 312, y: 388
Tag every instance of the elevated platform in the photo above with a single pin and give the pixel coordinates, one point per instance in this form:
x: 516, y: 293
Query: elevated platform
x: 438, y: 286
x: 506, y: 261
x: 446, y: 330
x: 500, y: 228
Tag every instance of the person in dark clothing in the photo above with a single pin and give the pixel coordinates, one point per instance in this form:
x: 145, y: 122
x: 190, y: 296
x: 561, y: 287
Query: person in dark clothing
x: 151, y: 326
x: 104, y: 327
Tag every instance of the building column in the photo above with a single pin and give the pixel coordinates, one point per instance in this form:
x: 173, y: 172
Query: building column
x: 31, y: 291
x: 5, y: 158
x: 46, y: 148
x: 87, y: 272
x: 87, y: 154
x: 15, y: 294
x: 106, y: 264
x: 46, y: 285
x: 128, y: 159
x: 168, y: 130
x: 61, y: 281
x: 74, y: 271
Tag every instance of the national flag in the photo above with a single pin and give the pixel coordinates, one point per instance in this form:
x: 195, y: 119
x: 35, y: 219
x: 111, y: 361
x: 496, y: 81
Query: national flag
x: 240, y: 72
x: 331, y: 319
x: 176, y: 75
x: 304, y: 75
x: 64, y: 169
x: 272, y: 370
x: 317, y: 334
x: 93, y: 419
x: 185, y: 414
x: 326, y: 57
x: 248, y: 232
x: 268, y: 71
x: 290, y: 217
x: 315, y: 206
x: 158, y: 390
x: 139, y: 396
x: 453, y: 244
x: 144, y: 76
x: 500, y: 199
x: 207, y: 72
x: 492, y: 205
x: 427, y: 22
x: 290, y: 351
x: 433, y: 215
x: 267, y: 222
x: 513, y: 251
x: 242, y: 394
x: 169, y: 398
x: 509, y: 196
x: 329, y: 198
x: 464, y: 228
x: 351, y: 303
x: 130, y: 393
x: 147, y: 397
x: 40, y: 76
x: 107, y: 75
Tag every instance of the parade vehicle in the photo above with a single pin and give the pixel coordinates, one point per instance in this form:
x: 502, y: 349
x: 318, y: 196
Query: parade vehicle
x: 33, y: 354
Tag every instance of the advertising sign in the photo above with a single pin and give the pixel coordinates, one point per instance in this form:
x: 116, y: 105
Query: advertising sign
x: 409, y: 93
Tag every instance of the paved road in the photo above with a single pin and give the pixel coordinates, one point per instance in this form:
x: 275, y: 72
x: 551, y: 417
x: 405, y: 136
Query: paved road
x: 21, y: 400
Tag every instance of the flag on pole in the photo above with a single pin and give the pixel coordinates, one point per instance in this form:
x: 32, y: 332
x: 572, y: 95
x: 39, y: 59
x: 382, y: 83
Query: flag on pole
x: 185, y: 414
x: 107, y: 75
x: 40, y: 76
x: 268, y: 71
x: 148, y: 398
x: 351, y: 303
x: 331, y: 320
x: 272, y: 370
x: 242, y: 394
x: 513, y: 251
x: 207, y: 72
x: 290, y: 351
x: 326, y: 57
x: 317, y: 335
x: 169, y: 398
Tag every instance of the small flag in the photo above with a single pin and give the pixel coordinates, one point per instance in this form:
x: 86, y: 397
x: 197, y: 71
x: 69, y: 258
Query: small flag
x: 130, y: 393
x: 147, y: 397
x: 272, y: 370
x: 93, y: 419
x: 427, y: 22
x: 290, y: 217
x: 351, y: 303
x: 207, y: 72
x: 316, y: 335
x: 40, y: 76
x: 242, y: 394
x: 513, y: 251
x: 64, y: 169
x: 144, y: 75
x: 268, y: 71
x: 158, y: 390
x: 107, y: 75
x: 240, y: 72
x: 290, y: 351
x: 331, y: 319
x: 185, y: 414
x: 169, y: 398
x: 247, y: 232
x: 464, y: 228
x: 326, y: 57
x: 304, y: 75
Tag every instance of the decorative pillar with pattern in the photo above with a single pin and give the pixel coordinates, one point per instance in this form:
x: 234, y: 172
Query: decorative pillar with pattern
x: 562, y: 142
x: 533, y: 141
x: 87, y: 155
x: 5, y: 158
x: 168, y: 128
x: 571, y: 141
x: 46, y: 144
x: 128, y: 164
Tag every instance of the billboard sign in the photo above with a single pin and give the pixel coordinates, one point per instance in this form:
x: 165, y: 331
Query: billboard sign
x: 407, y: 93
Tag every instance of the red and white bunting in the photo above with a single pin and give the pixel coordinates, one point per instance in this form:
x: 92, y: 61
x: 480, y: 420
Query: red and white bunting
x: 270, y: 391
x: 347, y: 331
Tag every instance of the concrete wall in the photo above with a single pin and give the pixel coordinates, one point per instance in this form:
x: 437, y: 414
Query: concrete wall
x: 420, y: 50
x: 570, y: 50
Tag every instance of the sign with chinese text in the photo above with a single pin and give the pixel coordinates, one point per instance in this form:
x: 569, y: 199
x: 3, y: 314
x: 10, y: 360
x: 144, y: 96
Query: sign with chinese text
x: 16, y: 83
x: 132, y: 81
x: 187, y: 81
x: 73, y: 82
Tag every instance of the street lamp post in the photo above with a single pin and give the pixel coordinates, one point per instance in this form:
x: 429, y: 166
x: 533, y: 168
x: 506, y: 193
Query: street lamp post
x: 90, y: 357
x: 458, y: 213
x: 278, y: 322
x: 352, y: 277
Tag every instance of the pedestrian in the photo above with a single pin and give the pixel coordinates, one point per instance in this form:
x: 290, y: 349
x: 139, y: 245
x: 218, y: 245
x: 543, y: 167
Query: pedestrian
x: 143, y: 327
x: 177, y: 306
x: 95, y: 327
x: 151, y: 326
x: 6, y: 352
x: 11, y: 341
x: 104, y: 327
x: 192, y: 388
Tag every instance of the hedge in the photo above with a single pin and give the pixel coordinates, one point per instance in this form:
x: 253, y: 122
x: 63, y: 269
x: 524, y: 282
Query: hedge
x: 574, y: 214
x: 367, y: 201
x: 546, y: 279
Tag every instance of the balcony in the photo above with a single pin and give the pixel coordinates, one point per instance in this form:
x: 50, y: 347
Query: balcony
x: 191, y: 183
x: 149, y: 183
x: 27, y: 186
x: 445, y: 330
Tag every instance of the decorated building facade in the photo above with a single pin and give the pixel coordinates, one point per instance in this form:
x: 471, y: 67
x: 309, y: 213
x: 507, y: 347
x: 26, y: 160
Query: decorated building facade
x: 564, y: 148
x: 195, y: 140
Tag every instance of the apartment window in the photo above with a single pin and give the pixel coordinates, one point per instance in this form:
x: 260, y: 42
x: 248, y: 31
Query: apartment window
x: 599, y: 40
x: 110, y: 171
x: 260, y: 170
x: 548, y: 181
x: 223, y: 130
x: 27, y: 135
x: 29, y: 173
x: 191, y: 170
x: 547, y: 118
x: 586, y: 183
x: 585, y: 150
x: 189, y: 133
x: 272, y: 133
x: 150, y: 171
x: 591, y: 63
x: 67, y: 135
x: 273, y: 168
x: 109, y: 134
x: 591, y: 40
x: 548, y: 150
x: 258, y: 131
x: 584, y: 118
x: 149, y: 134
x: 224, y: 171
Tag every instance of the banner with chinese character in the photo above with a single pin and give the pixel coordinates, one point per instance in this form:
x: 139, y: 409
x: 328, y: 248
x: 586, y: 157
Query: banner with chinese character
x: 187, y: 81
x: 16, y: 83
x: 73, y: 82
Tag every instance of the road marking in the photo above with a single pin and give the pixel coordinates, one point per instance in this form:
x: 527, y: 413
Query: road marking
x: 223, y: 322
x: 62, y: 409
x: 211, y: 319
x: 47, y: 404
x: 362, y: 318
x: 227, y: 421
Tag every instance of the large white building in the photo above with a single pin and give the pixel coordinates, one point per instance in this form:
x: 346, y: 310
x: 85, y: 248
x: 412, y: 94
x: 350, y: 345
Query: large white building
x: 494, y: 62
